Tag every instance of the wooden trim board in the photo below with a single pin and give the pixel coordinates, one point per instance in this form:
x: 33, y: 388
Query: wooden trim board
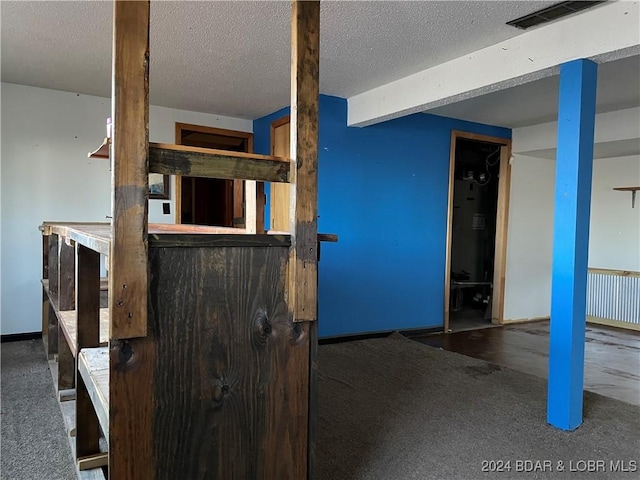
x: 502, y: 221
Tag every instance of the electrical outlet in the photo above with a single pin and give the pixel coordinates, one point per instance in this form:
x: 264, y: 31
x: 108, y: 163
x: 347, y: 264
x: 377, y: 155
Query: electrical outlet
x: 166, y: 208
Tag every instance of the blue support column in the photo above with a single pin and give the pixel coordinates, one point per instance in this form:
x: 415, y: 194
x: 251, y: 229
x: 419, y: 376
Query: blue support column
x: 574, y: 165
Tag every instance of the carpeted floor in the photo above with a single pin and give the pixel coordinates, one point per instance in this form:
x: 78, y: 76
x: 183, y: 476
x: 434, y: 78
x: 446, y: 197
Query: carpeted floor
x: 392, y: 409
x: 389, y: 409
x: 33, y: 442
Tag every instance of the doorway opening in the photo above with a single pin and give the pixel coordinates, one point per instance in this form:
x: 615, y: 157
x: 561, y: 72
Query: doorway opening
x: 476, y: 231
x: 213, y: 201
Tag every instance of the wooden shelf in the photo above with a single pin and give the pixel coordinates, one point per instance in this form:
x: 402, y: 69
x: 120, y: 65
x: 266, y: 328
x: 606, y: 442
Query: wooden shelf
x: 206, y: 162
x: 93, y: 366
x: 104, y: 285
x: 97, y: 236
x: 69, y: 326
x: 102, y: 151
x: 169, y: 159
x: 633, y: 191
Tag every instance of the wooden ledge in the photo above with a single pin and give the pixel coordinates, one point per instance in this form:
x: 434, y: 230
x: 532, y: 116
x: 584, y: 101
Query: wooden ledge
x: 169, y: 159
x: 102, y: 151
x: 206, y: 162
x: 68, y: 322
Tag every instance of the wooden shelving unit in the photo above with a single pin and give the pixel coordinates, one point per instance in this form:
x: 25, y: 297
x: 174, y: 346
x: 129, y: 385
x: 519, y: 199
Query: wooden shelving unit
x: 203, y: 363
x: 633, y: 191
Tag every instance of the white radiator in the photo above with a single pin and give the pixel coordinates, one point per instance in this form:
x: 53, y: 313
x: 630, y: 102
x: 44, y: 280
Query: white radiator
x: 614, y: 295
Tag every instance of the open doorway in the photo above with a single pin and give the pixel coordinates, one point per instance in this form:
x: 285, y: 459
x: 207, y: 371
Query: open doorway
x: 476, y: 231
x: 213, y: 201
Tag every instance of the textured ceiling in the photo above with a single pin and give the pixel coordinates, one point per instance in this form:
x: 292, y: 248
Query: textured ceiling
x: 537, y: 102
x: 232, y: 58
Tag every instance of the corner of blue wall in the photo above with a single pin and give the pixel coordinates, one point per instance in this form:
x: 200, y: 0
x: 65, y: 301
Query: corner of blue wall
x: 384, y: 190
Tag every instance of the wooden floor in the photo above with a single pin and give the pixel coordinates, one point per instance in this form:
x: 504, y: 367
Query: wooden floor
x: 612, y: 356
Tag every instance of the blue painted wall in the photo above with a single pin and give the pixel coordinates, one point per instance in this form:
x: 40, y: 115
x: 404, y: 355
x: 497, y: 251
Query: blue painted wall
x: 383, y: 189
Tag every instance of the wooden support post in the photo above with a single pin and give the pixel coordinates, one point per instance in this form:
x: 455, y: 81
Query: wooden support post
x: 131, y: 359
x: 88, y: 298
x: 574, y: 165
x: 305, y: 47
x: 53, y: 295
x: 53, y: 267
x: 66, y: 301
x: 46, y: 306
x: 129, y: 172
x: 66, y: 275
x: 45, y: 295
x: 250, y: 206
x: 66, y: 364
x: 237, y: 200
x: 45, y: 256
x: 88, y: 336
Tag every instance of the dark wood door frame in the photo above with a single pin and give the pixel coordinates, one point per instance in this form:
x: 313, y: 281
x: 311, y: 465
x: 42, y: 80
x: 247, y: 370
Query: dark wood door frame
x: 238, y: 185
x: 502, y: 217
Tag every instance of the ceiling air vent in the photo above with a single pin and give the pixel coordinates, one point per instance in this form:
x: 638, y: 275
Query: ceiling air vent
x: 553, y: 12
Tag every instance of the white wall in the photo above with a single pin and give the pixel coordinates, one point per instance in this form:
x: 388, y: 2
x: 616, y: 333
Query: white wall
x: 614, y: 240
x: 46, y: 175
x: 530, y: 239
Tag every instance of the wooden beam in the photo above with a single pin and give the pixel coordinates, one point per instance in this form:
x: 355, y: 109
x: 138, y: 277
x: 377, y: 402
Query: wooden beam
x: 66, y: 365
x: 45, y: 294
x: 305, y: 47
x: 207, y: 162
x: 52, y: 292
x: 260, y: 206
x: 129, y: 380
x: 66, y: 275
x: 129, y: 173
x: 88, y: 336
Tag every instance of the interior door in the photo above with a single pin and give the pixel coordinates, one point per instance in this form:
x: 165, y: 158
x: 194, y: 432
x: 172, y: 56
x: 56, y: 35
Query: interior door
x: 279, y: 197
x: 211, y: 201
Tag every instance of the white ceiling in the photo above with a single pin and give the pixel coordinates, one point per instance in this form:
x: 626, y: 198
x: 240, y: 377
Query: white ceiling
x: 537, y: 102
x: 232, y: 58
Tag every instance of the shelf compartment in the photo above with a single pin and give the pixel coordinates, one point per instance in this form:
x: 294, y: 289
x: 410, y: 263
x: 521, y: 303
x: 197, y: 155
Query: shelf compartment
x: 93, y: 366
x: 69, y: 325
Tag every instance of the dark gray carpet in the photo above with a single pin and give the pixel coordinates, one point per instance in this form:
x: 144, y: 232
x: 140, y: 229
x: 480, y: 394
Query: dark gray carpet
x: 389, y: 409
x: 392, y: 408
x: 33, y: 442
